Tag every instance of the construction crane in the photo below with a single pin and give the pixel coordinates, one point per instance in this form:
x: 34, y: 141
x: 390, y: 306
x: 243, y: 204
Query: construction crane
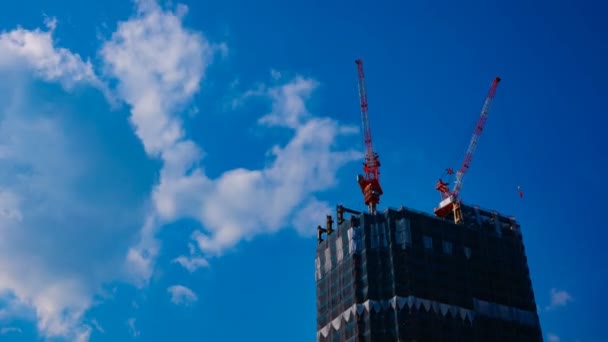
x: 369, y: 181
x: 449, y: 198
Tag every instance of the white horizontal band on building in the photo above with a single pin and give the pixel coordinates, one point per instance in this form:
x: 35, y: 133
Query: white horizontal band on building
x: 483, y: 308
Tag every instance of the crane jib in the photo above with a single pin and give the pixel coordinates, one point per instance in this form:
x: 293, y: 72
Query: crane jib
x: 369, y: 183
x: 475, y: 138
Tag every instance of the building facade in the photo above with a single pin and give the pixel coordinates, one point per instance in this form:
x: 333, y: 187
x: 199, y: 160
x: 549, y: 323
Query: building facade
x: 403, y: 275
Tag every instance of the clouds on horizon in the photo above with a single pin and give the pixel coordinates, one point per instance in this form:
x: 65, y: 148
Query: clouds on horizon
x: 58, y: 224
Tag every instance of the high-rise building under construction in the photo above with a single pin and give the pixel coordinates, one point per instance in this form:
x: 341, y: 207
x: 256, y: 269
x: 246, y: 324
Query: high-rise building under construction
x: 403, y: 275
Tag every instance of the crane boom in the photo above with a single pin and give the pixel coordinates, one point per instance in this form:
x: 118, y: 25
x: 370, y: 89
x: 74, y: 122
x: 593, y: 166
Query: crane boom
x: 475, y: 138
x: 369, y: 182
x: 370, y: 159
x: 450, y: 201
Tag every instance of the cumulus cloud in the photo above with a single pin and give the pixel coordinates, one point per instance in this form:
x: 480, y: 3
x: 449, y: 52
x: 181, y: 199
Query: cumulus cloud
x: 304, y: 166
x: 159, y: 65
x: 53, y: 220
x: 65, y: 216
x: 44, y: 214
x: 12, y: 307
x: 552, y: 337
x: 181, y: 295
x: 289, y: 103
x: 559, y: 298
x: 35, y: 50
x: 156, y: 86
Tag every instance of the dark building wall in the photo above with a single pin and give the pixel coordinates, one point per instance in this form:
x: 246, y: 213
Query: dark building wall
x: 404, y: 275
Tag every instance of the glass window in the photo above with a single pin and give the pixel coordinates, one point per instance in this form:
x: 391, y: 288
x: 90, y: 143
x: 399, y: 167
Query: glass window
x: 428, y: 242
x: 447, y: 247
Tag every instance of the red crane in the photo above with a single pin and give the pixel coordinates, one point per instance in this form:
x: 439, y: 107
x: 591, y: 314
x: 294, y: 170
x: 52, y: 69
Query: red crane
x: 369, y: 181
x: 450, y: 201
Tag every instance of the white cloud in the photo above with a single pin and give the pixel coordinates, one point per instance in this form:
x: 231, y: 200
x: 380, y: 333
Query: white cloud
x: 159, y: 65
x: 239, y: 101
x: 157, y: 86
x: 275, y: 74
x: 307, y: 164
x: 52, y: 223
x: 50, y: 22
x: 97, y: 326
x: 242, y: 203
x: 181, y: 295
x: 552, y: 337
x: 191, y: 263
x: 13, y: 307
x: 141, y: 257
x: 559, y: 298
x: 71, y: 238
x: 83, y: 335
x: 132, y: 329
x: 310, y: 215
x: 34, y: 49
x: 289, y: 103
x: 9, y: 330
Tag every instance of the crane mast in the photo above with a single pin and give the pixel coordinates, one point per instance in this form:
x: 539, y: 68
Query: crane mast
x: 450, y: 201
x: 369, y: 181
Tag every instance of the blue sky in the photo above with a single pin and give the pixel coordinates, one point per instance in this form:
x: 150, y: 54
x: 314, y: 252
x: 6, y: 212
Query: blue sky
x: 163, y: 167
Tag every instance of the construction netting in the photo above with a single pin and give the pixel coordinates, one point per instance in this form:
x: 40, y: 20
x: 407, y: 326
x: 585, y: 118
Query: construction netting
x: 402, y: 275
